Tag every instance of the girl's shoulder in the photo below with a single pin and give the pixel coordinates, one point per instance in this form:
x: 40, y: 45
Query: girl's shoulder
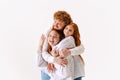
x: 69, y: 37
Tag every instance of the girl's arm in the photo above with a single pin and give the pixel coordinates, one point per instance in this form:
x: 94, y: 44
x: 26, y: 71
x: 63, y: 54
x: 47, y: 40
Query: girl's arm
x: 47, y: 57
x: 74, y: 50
x: 67, y: 42
x: 50, y: 59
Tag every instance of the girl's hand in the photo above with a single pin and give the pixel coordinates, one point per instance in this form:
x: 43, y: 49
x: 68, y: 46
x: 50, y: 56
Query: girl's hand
x: 42, y: 38
x: 51, y: 67
x: 55, y: 52
x: 65, y: 52
x: 61, y: 61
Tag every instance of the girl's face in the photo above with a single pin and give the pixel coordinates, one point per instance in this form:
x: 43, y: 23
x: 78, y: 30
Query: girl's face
x: 53, y: 38
x: 68, y: 31
x: 58, y: 25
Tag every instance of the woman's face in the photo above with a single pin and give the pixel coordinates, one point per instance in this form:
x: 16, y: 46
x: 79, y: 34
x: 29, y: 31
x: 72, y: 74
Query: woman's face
x: 53, y: 38
x: 58, y: 25
x: 68, y: 31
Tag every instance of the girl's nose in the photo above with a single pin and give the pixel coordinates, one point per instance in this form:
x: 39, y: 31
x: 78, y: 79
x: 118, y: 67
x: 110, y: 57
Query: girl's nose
x: 67, y: 31
x: 51, y: 38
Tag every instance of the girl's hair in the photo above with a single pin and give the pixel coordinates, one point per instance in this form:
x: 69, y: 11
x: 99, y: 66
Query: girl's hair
x: 61, y: 36
x: 63, y: 16
x: 76, y: 34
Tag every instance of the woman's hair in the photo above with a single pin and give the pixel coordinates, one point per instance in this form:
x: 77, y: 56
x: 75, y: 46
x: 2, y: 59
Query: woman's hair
x: 76, y: 34
x: 63, y: 16
x: 61, y: 36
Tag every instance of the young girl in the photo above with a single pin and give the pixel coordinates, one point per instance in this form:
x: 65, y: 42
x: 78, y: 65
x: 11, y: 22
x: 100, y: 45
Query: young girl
x: 72, y: 30
x: 54, y: 37
x: 72, y: 39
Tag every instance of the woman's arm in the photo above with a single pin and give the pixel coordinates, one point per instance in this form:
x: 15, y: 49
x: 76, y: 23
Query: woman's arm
x: 77, y: 50
x: 42, y: 49
x: 42, y: 39
x: 40, y: 61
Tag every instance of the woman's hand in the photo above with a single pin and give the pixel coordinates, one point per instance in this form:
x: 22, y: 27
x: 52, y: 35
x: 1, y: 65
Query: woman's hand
x: 42, y: 38
x: 51, y: 67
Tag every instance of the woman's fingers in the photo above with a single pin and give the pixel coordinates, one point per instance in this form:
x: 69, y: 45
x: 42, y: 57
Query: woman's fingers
x: 51, y: 68
x: 42, y: 38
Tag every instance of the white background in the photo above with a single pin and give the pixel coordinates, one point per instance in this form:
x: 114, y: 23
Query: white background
x: 23, y: 21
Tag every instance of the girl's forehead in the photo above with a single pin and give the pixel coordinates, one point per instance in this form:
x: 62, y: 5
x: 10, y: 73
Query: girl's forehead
x: 53, y: 32
x: 69, y: 26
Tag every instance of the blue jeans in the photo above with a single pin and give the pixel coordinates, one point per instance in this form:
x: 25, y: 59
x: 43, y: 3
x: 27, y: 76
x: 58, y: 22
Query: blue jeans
x: 79, y: 78
x: 44, y: 76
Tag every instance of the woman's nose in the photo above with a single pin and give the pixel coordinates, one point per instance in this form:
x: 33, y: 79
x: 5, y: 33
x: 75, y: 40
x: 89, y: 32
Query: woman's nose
x: 56, y: 24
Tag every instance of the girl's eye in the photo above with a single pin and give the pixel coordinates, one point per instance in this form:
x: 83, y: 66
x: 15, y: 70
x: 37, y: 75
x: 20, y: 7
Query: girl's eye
x: 55, y: 36
x: 70, y: 30
x: 50, y: 36
x: 66, y: 28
